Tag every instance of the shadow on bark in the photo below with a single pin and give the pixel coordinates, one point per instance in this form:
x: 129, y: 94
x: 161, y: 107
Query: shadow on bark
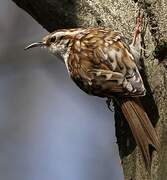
x: 51, y: 14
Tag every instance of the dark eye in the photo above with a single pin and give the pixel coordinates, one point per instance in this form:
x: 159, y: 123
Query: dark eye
x: 60, y: 38
x: 53, y: 39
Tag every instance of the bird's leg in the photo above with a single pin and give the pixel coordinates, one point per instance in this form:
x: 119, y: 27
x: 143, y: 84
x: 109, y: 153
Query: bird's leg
x: 136, y: 45
x: 108, y: 102
x: 136, y: 42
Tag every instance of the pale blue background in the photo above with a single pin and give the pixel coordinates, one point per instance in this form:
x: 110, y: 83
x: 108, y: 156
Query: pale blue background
x: 49, y: 129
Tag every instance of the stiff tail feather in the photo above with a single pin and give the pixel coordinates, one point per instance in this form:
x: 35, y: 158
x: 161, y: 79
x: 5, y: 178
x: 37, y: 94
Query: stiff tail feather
x: 141, y: 127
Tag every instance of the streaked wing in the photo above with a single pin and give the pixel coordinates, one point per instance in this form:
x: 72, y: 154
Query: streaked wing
x: 101, y: 64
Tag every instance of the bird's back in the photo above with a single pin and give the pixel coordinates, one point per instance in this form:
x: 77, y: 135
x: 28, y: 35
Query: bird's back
x: 100, y: 62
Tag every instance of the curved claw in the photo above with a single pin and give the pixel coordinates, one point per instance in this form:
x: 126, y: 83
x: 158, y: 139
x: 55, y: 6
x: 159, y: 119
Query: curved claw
x: 108, y: 102
x: 138, y: 28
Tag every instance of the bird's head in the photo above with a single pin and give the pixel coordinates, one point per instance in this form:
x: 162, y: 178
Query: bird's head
x: 57, y: 42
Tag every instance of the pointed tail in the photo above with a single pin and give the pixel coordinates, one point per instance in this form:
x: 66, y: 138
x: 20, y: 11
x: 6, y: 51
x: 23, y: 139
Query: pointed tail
x: 141, y: 127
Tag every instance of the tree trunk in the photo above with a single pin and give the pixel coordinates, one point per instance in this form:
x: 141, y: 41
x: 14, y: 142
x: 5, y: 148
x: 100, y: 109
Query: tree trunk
x: 120, y: 15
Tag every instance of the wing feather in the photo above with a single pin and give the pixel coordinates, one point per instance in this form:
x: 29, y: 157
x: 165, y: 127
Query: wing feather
x: 105, y: 60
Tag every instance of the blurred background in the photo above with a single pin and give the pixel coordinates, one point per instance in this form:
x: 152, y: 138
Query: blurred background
x: 49, y: 128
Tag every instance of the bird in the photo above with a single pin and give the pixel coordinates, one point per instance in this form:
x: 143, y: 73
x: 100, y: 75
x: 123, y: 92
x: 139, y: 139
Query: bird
x: 103, y: 64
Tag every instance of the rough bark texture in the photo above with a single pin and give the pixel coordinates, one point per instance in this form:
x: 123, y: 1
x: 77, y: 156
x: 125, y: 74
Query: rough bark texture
x: 120, y: 15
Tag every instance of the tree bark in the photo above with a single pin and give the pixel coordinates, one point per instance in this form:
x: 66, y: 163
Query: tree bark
x: 120, y: 15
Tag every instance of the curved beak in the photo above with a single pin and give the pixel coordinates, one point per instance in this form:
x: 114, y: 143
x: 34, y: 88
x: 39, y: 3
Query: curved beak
x: 36, y: 44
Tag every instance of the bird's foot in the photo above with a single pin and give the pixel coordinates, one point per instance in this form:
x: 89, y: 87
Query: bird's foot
x: 138, y: 28
x: 108, y: 102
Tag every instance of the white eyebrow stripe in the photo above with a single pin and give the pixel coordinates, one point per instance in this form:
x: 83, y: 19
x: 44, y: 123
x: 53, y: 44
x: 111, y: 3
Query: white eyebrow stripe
x: 68, y: 32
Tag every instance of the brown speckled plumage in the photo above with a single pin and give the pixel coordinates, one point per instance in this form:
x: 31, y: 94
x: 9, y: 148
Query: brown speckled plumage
x: 101, y: 63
